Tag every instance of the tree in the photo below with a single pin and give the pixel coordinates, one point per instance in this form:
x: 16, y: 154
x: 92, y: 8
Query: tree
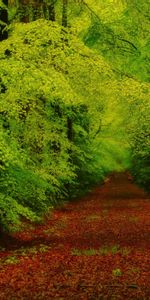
x: 4, y: 20
x: 24, y: 11
x: 68, y: 120
x: 45, y: 119
x: 51, y: 10
x: 64, y: 13
x: 31, y: 10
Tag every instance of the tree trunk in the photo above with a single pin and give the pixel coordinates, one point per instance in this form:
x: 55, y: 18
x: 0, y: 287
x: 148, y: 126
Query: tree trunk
x: 37, y: 9
x: 70, y: 129
x: 51, y: 10
x: 24, y: 11
x: 45, y: 11
x: 26, y: 6
x: 4, y: 19
x: 64, y: 13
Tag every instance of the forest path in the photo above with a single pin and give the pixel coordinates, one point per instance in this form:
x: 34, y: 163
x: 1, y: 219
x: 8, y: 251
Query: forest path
x: 93, y: 249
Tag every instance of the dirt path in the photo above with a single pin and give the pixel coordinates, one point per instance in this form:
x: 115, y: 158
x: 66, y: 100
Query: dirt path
x: 93, y: 249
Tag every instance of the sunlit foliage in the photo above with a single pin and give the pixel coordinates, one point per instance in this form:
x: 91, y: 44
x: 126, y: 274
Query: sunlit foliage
x: 74, y: 101
x: 52, y: 106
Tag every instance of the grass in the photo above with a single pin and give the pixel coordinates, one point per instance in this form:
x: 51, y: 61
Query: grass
x: 23, y: 252
x: 9, y: 260
x: 116, y: 272
x: 105, y: 250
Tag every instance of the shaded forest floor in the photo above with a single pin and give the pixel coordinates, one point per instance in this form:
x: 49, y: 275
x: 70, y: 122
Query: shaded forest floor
x: 93, y: 249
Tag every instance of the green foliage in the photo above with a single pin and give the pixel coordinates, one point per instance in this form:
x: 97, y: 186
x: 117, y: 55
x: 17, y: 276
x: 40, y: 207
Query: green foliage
x: 69, y: 114
x: 125, y: 45
x: 138, y: 130
x: 116, y: 272
x: 47, y: 119
x: 119, y: 38
x: 10, y: 260
x: 113, y: 250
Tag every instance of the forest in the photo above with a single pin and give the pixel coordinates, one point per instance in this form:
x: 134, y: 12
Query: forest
x: 74, y: 104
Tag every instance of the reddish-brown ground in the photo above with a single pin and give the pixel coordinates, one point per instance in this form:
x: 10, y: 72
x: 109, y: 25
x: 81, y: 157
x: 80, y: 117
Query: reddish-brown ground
x: 93, y: 249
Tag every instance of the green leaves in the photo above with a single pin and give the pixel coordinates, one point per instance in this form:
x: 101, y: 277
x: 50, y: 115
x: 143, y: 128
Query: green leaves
x: 63, y: 113
x: 46, y: 112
